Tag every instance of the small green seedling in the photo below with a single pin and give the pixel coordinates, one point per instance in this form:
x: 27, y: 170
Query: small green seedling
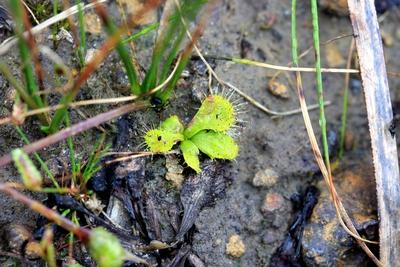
x: 31, y: 177
x: 207, y: 132
x: 106, y: 249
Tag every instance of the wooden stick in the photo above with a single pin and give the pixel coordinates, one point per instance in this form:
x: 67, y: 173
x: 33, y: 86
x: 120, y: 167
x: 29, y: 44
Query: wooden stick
x: 380, y: 119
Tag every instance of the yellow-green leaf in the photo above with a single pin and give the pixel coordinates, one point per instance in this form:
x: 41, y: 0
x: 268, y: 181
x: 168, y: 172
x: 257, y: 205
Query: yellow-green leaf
x: 216, y: 145
x: 172, y: 124
x: 159, y: 140
x: 216, y: 113
x: 191, y: 155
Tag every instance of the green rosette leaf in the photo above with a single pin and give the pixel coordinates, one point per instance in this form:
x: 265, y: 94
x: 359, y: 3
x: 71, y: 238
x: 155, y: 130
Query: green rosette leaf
x: 159, y: 140
x: 216, y: 113
x: 191, y: 155
x: 216, y: 144
x: 173, y: 124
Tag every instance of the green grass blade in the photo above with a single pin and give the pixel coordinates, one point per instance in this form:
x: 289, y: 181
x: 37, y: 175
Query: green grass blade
x: 92, y: 164
x: 165, y: 94
x: 82, y: 33
x: 60, y: 114
x: 142, y: 32
x: 164, y: 39
x: 54, y: 28
x: 124, y: 54
x: 344, y: 121
x: 295, y: 56
x: 72, y: 155
x: 168, y: 43
x: 172, y: 55
x: 32, y: 87
x: 318, y: 78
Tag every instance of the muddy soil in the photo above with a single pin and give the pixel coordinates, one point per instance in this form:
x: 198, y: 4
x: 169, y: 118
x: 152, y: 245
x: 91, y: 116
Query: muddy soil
x: 235, y: 29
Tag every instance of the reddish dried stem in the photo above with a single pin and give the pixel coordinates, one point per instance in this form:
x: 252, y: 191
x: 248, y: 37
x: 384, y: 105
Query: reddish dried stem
x: 34, y: 51
x: 75, y: 129
x: 82, y: 233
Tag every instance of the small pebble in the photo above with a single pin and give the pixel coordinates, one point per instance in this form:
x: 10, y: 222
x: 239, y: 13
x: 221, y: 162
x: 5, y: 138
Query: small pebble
x: 235, y: 246
x: 278, y: 89
x: 272, y: 202
x: 349, y: 141
x: 15, y: 236
x: 337, y: 7
x: 155, y: 244
x: 90, y: 53
x: 174, y: 171
x: 397, y: 34
x: 33, y: 250
x: 266, y: 20
x: 270, y: 237
x: 387, y: 39
x: 334, y: 56
x: 265, y: 178
x: 92, y: 23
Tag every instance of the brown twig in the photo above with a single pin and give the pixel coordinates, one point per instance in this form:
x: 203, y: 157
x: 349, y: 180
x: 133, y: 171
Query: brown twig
x: 71, y: 22
x: 82, y: 233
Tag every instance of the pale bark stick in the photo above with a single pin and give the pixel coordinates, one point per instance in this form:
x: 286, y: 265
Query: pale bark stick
x: 380, y: 119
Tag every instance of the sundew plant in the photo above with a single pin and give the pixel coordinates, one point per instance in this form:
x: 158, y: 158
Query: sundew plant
x: 207, y: 132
